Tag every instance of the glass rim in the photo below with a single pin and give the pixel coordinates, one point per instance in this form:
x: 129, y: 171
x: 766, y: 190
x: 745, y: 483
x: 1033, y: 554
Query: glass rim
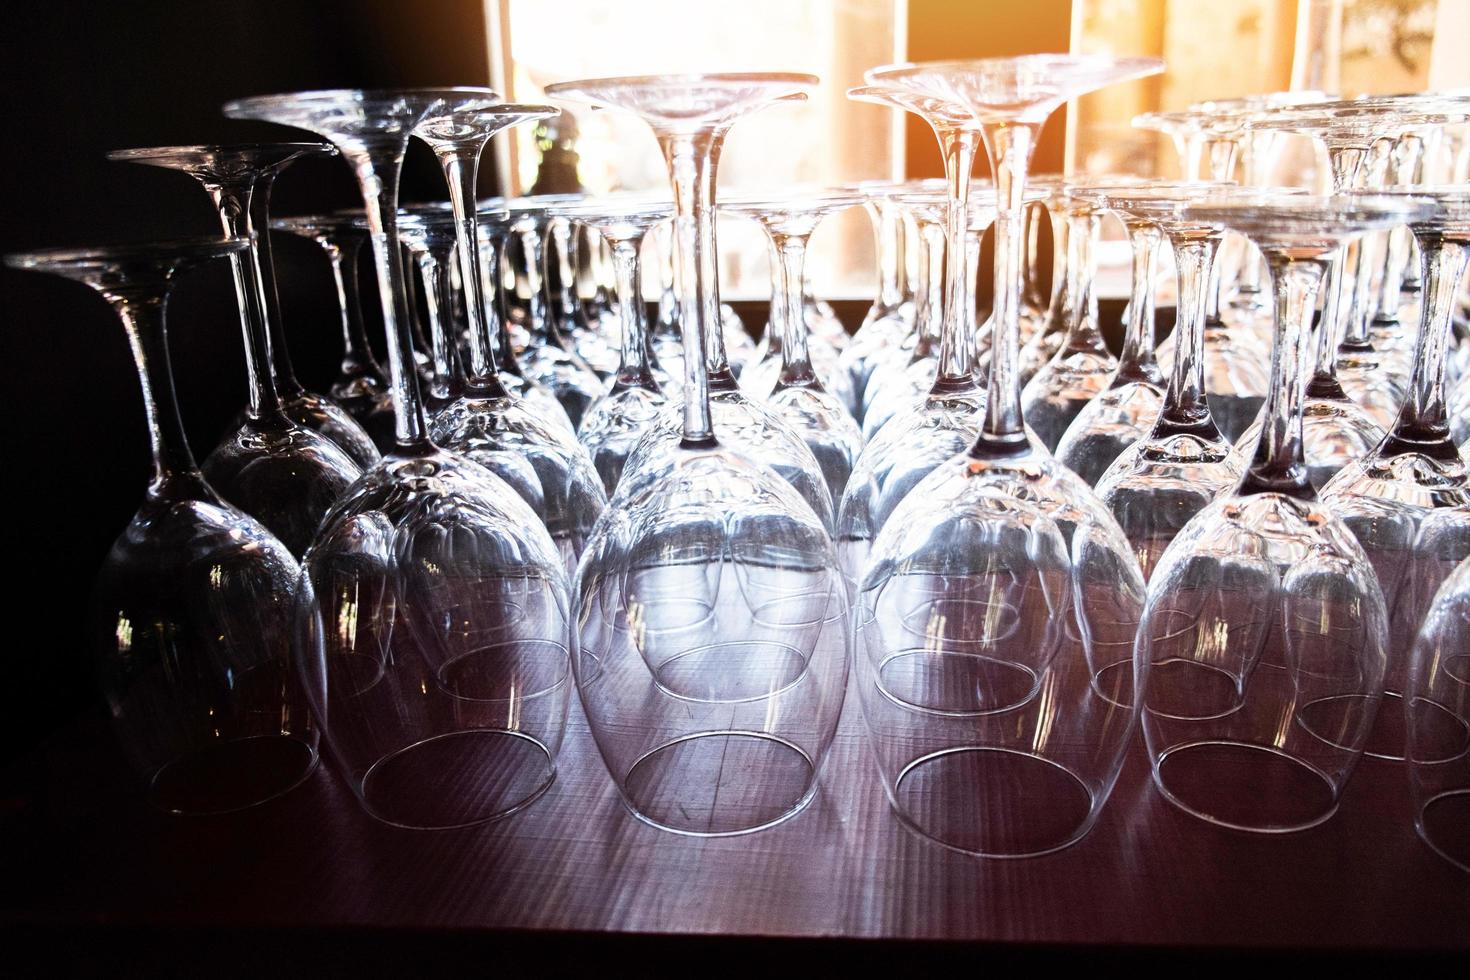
x: 559, y: 89
x: 132, y: 153
x: 65, y: 255
x: 358, y: 96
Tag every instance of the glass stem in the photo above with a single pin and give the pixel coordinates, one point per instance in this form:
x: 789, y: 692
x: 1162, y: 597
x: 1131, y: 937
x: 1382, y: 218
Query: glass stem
x: 1185, y: 409
x: 1083, y: 333
x: 357, y: 355
x: 1423, y: 425
x: 437, y: 303
x: 259, y: 225
x: 888, y: 223
x: 929, y: 305
x: 1010, y: 145
x: 538, y: 320
x: 691, y: 158
x: 233, y: 204
x: 564, y: 296
x: 1279, y: 465
x: 379, y: 179
x: 1407, y: 153
x: 175, y: 474
x: 634, y: 370
x: 1138, y: 361
x: 776, y: 318
x: 954, y: 370
x: 796, y: 364
x: 721, y: 378
x: 1370, y: 249
x: 461, y: 172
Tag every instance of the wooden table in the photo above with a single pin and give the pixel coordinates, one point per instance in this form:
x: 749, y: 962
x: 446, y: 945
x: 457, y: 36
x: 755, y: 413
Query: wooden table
x: 80, y: 851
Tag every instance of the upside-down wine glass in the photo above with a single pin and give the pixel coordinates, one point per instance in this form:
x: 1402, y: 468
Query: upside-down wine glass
x: 616, y: 421
x: 994, y: 621
x: 433, y: 615
x: 1047, y: 337
x: 273, y: 468
x: 428, y: 235
x: 1234, y: 359
x: 799, y: 396
x: 1264, y: 628
x: 1160, y: 482
x: 713, y: 617
x: 361, y: 385
x: 495, y: 232
x: 549, y: 359
x: 1439, y: 702
x: 190, y: 615
x: 891, y: 316
x: 908, y: 370
x: 1082, y: 365
x: 1125, y: 411
x: 1408, y: 500
x: 744, y: 424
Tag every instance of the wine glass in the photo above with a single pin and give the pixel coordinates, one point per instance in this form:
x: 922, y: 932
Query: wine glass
x: 890, y: 318
x: 617, y: 420
x: 1082, y: 365
x: 908, y: 371
x: 567, y: 274
x: 428, y: 234
x: 1264, y: 626
x: 433, y: 627
x: 1159, y: 483
x: 800, y: 396
x: 1408, y: 499
x: 1046, y: 338
x: 713, y: 617
x: 994, y: 620
x: 1438, y: 711
x: 277, y: 470
x: 361, y: 385
x: 761, y: 377
x: 549, y: 359
x: 1209, y: 140
x: 190, y: 614
x: 495, y: 232
x: 1125, y: 411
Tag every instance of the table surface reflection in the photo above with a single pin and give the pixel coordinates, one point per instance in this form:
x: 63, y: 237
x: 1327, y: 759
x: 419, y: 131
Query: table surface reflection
x: 83, y: 849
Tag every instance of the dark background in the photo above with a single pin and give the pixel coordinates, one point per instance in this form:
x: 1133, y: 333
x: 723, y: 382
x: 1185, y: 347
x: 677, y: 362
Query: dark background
x: 85, y: 78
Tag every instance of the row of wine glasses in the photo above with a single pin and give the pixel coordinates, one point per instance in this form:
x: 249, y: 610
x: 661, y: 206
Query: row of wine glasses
x: 1020, y: 566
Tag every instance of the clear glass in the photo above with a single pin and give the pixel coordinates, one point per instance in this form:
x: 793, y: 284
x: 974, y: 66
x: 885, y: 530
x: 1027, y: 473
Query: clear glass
x: 548, y: 358
x: 1125, y: 411
x: 495, y: 235
x: 1082, y: 366
x: 799, y: 395
x: 361, y: 385
x: 190, y: 613
x: 1047, y: 338
x: 712, y: 657
x: 1408, y: 500
x: 907, y: 373
x: 272, y: 467
x: 891, y: 317
x: 995, y: 615
x: 428, y: 236
x: 1264, y: 627
x: 1438, y: 712
x: 433, y: 620
x: 617, y: 420
x: 1158, y: 484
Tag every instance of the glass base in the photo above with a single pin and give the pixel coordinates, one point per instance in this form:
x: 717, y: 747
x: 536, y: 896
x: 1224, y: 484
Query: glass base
x: 458, y: 779
x: 720, y: 784
x: 993, y: 802
x: 226, y: 777
x: 1443, y: 823
x: 1245, y: 787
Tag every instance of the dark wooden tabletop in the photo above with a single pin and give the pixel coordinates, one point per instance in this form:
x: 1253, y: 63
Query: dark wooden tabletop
x: 80, y: 849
